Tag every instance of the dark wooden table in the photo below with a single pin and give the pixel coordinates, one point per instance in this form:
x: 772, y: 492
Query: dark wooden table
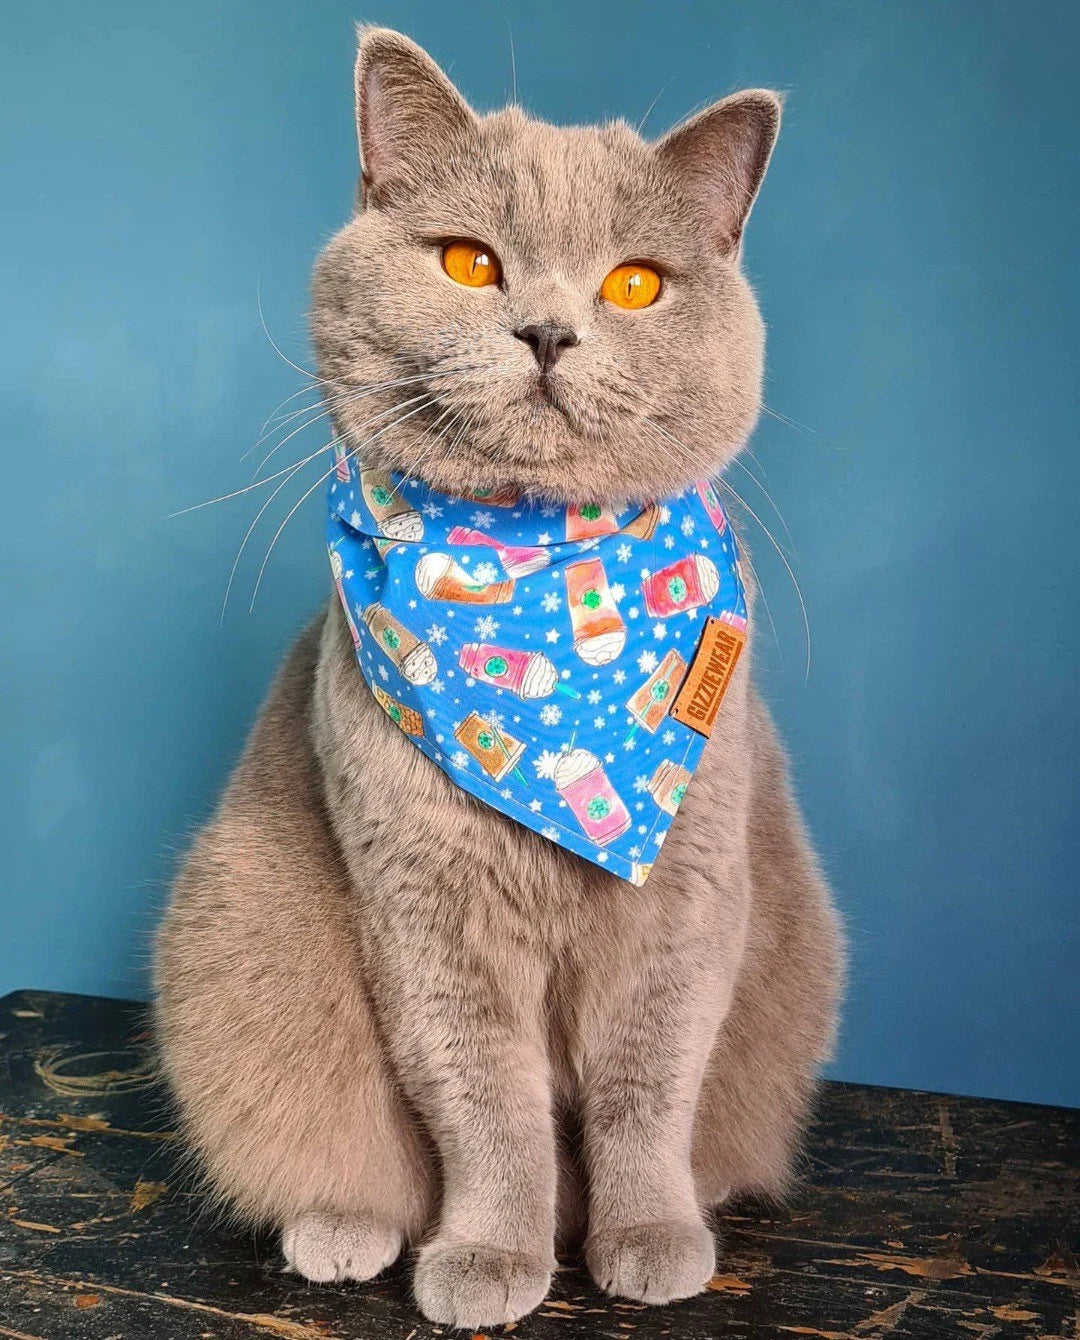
x: 921, y: 1216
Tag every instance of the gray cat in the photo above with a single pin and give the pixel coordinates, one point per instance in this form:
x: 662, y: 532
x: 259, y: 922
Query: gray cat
x: 390, y: 1014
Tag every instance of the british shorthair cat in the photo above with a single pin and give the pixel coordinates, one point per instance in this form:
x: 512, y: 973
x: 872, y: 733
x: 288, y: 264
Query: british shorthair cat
x: 393, y: 1015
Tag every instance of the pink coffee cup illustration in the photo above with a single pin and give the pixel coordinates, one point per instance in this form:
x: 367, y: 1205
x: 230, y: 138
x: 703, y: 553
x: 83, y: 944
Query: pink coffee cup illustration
x: 529, y: 674
x: 518, y: 560
x: 684, y: 585
x: 581, y: 781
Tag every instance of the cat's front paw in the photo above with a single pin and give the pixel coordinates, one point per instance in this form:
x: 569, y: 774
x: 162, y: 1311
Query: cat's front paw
x: 653, y: 1263
x: 472, y: 1286
x: 329, y: 1247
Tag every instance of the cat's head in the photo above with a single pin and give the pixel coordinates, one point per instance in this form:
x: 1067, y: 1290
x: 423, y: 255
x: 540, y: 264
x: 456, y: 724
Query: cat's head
x: 559, y: 310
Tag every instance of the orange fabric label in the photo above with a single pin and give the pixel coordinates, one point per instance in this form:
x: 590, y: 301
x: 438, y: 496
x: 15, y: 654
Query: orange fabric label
x: 709, y: 675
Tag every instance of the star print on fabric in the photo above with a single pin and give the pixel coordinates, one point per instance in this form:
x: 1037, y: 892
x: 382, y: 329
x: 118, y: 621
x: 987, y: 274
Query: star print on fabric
x: 521, y: 649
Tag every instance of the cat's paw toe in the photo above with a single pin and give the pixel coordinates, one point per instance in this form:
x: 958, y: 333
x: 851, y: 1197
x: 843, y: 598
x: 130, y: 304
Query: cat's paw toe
x: 329, y: 1247
x: 653, y: 1263
x: 470, y: 1285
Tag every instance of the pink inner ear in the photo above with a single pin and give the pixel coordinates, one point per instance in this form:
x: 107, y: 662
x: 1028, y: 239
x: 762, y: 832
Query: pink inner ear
x: 721, y: 156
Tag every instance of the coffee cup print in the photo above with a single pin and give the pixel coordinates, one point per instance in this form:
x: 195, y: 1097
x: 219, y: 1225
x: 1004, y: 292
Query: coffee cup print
x: 643, y: 526
x: 497, y: 752
x: 587, y: 521
x: 668, y: 785
x: 529, y: 674
x: 341, y: 463
x: 684, y: 585
x: 410, y: 721
x: 581, y: 781
x: 494, y: 497
x: 518, y: 560
x: 650, y: 704
x: 599, y: 632
x: 413, y: 658
x: 711, y: 501
x: 394, y: 515
x: 337, y: 570
x: 439, y: 578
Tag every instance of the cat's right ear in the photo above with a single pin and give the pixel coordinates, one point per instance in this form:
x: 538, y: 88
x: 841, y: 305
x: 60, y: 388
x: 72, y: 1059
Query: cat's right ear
x: 408, y: 112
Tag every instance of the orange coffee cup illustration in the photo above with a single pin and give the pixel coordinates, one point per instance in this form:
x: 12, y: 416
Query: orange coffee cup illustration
x: 668, y: 785
x: 439, y: 578
x: 599, y: 632
x: 497, y: 752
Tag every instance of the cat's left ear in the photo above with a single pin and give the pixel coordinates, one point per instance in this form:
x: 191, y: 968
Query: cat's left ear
x: 409, y: 116
x: 719, y: 158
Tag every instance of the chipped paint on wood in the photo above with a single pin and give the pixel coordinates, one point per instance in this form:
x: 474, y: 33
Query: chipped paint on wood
x: 922, y: 1216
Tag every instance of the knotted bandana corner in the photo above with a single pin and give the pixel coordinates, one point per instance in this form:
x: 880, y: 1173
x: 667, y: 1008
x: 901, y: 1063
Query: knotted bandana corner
x: 564, y: 665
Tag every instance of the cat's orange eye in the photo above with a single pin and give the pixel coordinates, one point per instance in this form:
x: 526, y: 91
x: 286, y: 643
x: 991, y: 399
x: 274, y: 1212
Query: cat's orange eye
x: 632, y: 286
x: 471, y: 264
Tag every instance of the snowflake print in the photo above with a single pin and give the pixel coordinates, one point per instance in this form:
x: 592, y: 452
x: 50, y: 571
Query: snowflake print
x: 459, y: 758
x: 623, y: 553
x: 594, y: 695
x: 665, y: 515
x: 481, y: 519
x: 436, y: 634
x: 659, y: 631
x: 486, y: 573
x: 437, y: 686
x: 688, y: 525
x: 629, y: 744
x: 550, y: 715
x: 384, y: 674
x: 506, y: 793
x: 634, y: 853
x: 545, y: 765
x: 669, y: 541
x: 602, y: 857
x: 633, y: 612
x: 518, y: 611
x: 645, y: 574
x: 658, y: 838
x: 647, y: 662
x: 355, y: 519
x: 551, y: 602
x: 599, y: 723
x: 612, y: 708
x: 486, y: 627
x: 431, y: 510
x: 549, y: 511
x: 641, y: 783
x: 619, y: 676
x: 371, y: 574
x: 617, y: 591
x: 552, y: 834
x: 669, y: 737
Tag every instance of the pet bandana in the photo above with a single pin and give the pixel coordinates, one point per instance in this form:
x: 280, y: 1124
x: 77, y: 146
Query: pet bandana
x: 562, y: 664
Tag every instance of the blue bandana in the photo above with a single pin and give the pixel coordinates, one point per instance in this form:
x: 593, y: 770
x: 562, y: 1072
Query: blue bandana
x: 562, y: 664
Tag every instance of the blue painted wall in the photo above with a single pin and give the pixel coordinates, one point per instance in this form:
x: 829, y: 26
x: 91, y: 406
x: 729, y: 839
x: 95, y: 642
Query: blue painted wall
x: 915, y: 254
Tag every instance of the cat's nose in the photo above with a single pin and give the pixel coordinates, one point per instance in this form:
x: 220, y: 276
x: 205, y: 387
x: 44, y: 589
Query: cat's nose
x: 548, y: 341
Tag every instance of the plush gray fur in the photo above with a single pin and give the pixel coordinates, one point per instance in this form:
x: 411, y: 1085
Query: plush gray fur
x: 391, y: 1015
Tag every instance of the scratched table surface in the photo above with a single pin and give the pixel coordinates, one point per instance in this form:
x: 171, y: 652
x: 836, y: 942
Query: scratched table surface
x: 919, y: 1216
